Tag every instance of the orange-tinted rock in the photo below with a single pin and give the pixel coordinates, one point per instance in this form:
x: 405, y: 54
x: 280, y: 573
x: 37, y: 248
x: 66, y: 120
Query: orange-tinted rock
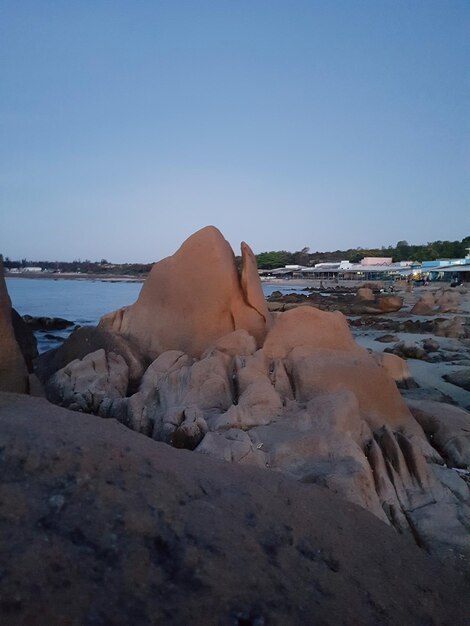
x: 13, y: 370
x: 425, y: 304
x: 394, y: 365
x: 365, y: 293
x: 193, y: 298
x: 310, y: 328
x: 448, y: 300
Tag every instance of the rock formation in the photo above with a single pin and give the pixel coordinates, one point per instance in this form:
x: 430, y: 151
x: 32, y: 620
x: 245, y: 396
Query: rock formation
x: 447, y: 426
x: 99, y: 525
x: 13, y: 370
x: 194, y: 297
x: 292, y: 392
x: 367, y: 302
x: 424, y: 305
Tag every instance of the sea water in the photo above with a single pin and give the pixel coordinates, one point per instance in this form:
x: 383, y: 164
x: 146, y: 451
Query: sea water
x: 82, y: 302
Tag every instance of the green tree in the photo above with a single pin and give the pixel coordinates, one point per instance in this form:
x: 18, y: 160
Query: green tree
x: 273, y: 259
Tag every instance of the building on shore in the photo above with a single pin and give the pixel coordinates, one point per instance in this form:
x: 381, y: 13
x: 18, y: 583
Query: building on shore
x: 377, y: 268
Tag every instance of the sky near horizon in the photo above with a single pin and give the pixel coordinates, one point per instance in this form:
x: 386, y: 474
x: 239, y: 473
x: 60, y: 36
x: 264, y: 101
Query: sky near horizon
x: 125, y: 126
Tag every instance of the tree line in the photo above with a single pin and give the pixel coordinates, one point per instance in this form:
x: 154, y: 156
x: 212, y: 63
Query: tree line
x: 403, y: 251
x: 83, y: 267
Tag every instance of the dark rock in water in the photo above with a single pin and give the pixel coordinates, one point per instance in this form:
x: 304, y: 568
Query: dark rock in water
x: 25, y: 339
x: 427, y: 393
x: 431, y: 345
x: 52, y: 337
x: 387, y: 338
x: 47, y: 323
x: 288, y: 298
x: 118, y: 529
x: 461, y: 378
x: 408, y: 351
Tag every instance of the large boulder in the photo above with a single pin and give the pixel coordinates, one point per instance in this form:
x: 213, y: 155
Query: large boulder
x: 86, y: 340
x: 313, y: 405
x: 99, y: 525
x: 424, y: 305
x: 461, y: 378
x: 90, y: 384
x: 13, y: 370
x: 366, y: 302
x: 449, y: 428
x: 448, y: 300
x: 193, y: 298
x: 292, y: 392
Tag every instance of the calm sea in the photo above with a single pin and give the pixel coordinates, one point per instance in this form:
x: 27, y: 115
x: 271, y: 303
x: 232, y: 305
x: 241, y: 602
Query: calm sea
x: 83, y: 302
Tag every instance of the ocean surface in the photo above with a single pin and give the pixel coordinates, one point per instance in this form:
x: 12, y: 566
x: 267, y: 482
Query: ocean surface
x: 82, y: 302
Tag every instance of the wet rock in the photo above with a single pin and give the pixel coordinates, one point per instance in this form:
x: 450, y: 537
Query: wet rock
x: 449, y: 428
x: 461, y: 378
x: 407, y: 351
x: 387, y: 338
x: 431, y: 345
x: 47, y: 323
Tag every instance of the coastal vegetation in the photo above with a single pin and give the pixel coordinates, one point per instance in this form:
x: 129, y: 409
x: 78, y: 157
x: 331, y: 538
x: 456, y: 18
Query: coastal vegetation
x: 402, y: 251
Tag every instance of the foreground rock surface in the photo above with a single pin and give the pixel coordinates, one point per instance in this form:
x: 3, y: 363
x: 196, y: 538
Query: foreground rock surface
x: 100, y: 525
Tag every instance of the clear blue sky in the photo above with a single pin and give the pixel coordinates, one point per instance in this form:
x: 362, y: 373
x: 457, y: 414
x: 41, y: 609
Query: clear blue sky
x: 126, y: 126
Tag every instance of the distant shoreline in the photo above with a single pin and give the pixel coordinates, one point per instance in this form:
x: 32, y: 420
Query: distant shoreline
x: 124, y: 278
x: 106, y: 278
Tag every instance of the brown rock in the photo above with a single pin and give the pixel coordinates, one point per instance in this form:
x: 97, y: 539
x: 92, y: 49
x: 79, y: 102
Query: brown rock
x: 448, y: 300
x: 193, y: 298
x: 396, y: 367
x: 13, y: 370
x: 454, y: 327
x: 448, y: 426
x: 86, y: 384
x: 424, y: 305
x: 461, y: 378
x: 387, y: 338
x: 307, y: 327
x: 84, y: 341
x: 118, y: 529
x: 365, y: 293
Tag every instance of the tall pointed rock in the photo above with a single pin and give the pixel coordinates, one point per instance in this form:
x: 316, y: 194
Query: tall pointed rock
x: 194, y: 297
x: 13, y: 371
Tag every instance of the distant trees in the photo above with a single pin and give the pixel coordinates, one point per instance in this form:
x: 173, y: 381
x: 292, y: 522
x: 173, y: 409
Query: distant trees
x: 273, y: 259
x: 403, y: 251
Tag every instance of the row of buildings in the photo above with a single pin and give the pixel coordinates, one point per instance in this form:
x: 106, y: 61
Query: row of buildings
x: 378, y: 268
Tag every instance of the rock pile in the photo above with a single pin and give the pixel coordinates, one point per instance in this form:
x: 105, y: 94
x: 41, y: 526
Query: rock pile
x: 289, y: 391
x: 444, y: 300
